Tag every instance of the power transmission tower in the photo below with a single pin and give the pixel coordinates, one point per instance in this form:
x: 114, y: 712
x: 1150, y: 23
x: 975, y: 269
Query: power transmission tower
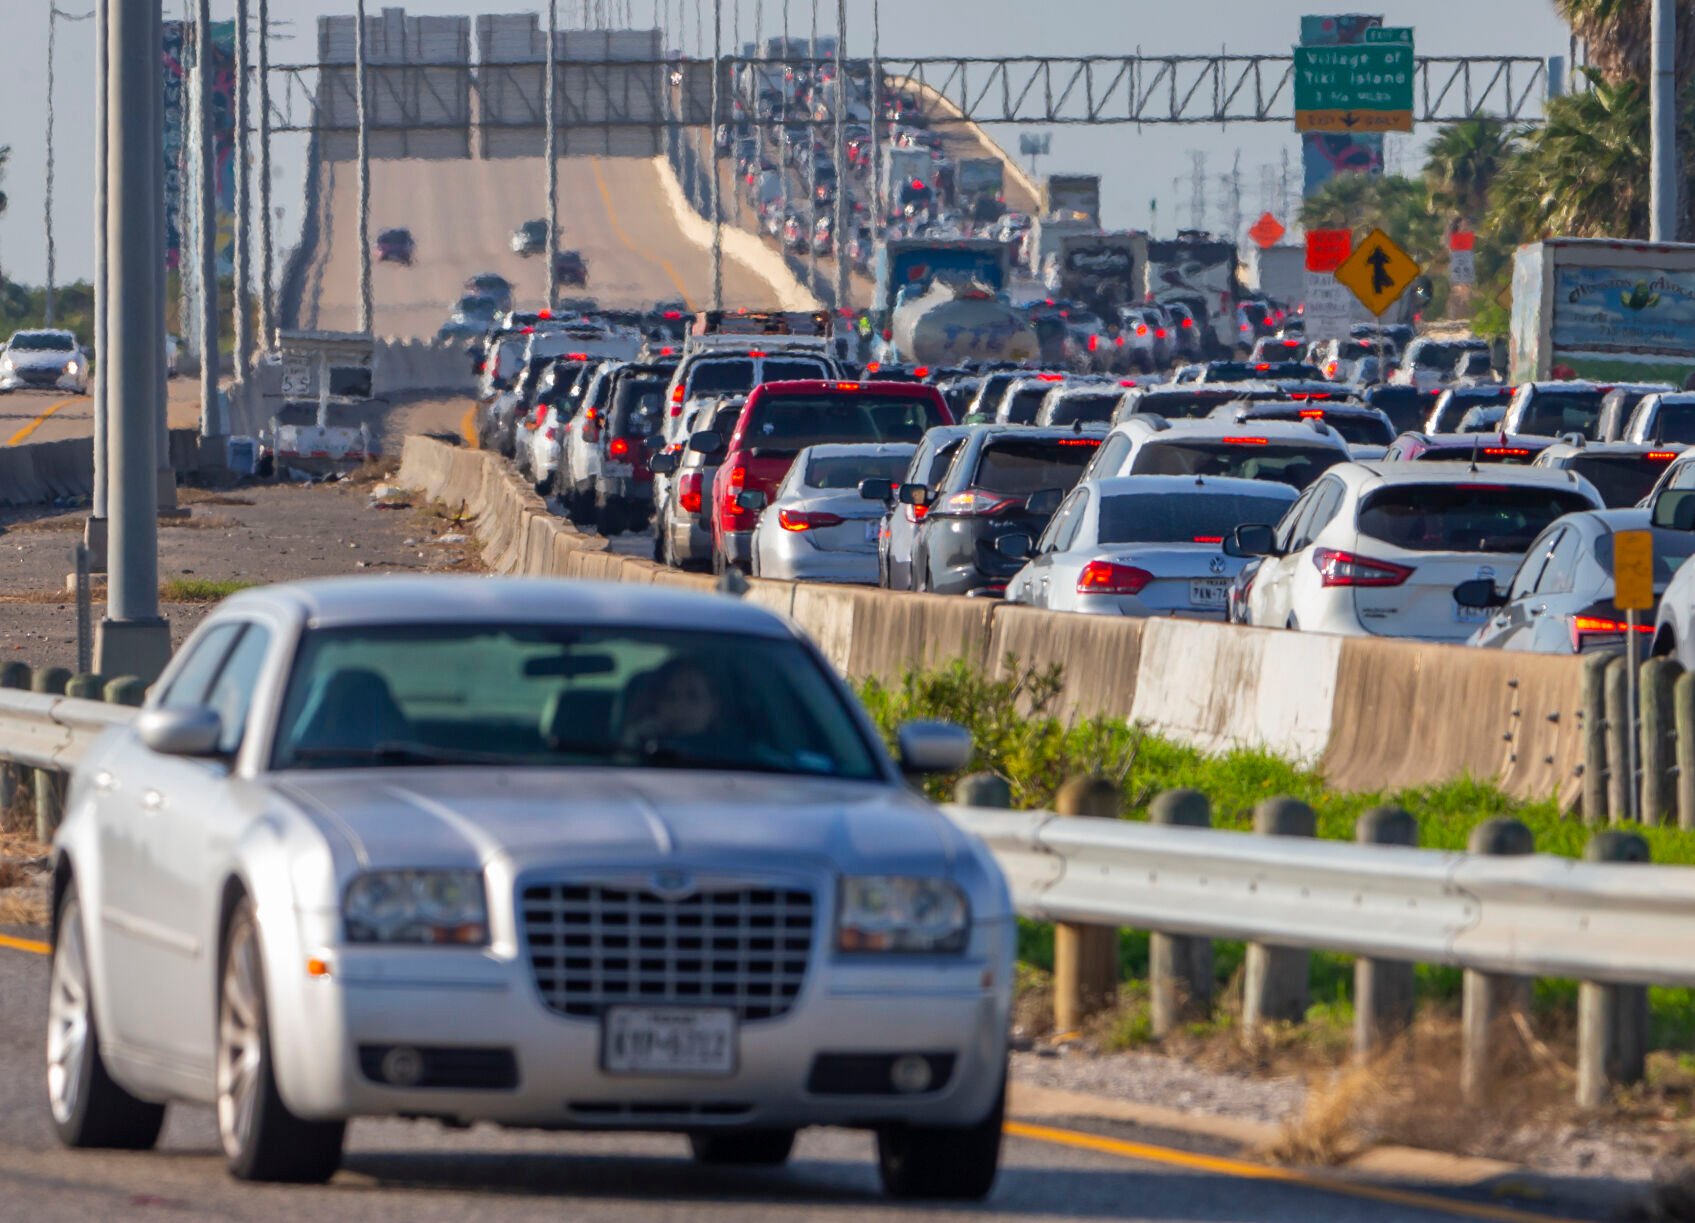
x: 1197, y: 190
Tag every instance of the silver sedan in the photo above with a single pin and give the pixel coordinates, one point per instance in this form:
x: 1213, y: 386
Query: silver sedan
x: 542, y: 854
x: 818, y: 527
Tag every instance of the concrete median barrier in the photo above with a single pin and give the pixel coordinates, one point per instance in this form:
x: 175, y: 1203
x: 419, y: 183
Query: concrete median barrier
x: 1219, y: 686
x: 745, y: 248
x: 1101, y: 655
x: 893, y: 632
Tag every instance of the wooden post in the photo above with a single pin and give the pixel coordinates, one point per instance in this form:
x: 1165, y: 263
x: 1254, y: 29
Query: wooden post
x: 1659, y: 739
x: 1595, y: 764
x: 1612, y: 1020
x: 1485, y: 997
x: 49, y: 786
x: 1085, y: 958
x: 126, y: 690
x: 1619, y: 779
x: 1383, y: 989
x: 1683, y: 705
x: 1275, y: 979
x: 1179, y: 965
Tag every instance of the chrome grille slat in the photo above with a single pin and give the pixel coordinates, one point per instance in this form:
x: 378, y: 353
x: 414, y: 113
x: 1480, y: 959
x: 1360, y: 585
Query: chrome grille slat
x: 595, y: 945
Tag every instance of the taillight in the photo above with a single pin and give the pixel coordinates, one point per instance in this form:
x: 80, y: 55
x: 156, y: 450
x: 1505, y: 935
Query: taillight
x: 550, y: 433
x: 1141, y: 329
x: 1107, y: 578
x: 738, y: 479
x: 618, y: 448
x: 1094, y: 342
x: 677, y: 393
x: 1596, y: 626
x: 591, y: 425
x: 794, y: 520
x: 1336, y: 568
x: 971, y: 504
x: 1159, y: 333
x: 1188, y: 322
x: 688, y: 492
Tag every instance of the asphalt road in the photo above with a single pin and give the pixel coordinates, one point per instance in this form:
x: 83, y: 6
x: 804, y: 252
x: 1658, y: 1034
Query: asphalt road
x: 51, y: 416
x: 419, y: 1172
x: 462, y: 214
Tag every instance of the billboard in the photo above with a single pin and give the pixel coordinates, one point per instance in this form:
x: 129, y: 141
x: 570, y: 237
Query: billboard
x: 1618, y: 322
x: 177, y: 66
x: 1324, y: 155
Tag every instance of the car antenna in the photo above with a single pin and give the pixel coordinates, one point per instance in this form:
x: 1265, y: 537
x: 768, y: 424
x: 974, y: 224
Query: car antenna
x: 1476, y: 440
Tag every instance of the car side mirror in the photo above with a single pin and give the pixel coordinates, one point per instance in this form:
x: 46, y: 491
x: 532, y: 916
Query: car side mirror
x: 913, y: 494
x: 664, y: 463
x: 933, y: 747
x: 1044, y: 502
x: 877, y: 490
x: 1251, y: 539
x: 1480, y: 593
x: 191, y: 731
x: 706, y: 442
x: 1016, y: 546
x: 752, y: 499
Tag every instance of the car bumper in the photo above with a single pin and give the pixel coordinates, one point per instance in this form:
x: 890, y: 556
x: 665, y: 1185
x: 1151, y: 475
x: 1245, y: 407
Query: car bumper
x: 691, y: 540
x: 18, y: 381
x: 738, y: 547
x: 805, y: 563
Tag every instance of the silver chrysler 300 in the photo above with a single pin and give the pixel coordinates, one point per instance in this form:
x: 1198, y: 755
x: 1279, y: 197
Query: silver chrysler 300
x: 542, y: 854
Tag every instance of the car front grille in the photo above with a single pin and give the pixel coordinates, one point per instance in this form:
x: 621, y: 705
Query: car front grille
x: 593, y: 946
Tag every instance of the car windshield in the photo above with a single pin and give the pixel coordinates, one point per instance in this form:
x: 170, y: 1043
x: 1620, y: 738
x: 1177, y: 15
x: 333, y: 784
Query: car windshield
x: 1246, y: 457
x: 42, y: 341
x: 847, y: 470
x: 791, y: 422
x: 561, y: 696
x: 1092, y: 408
x: 711, y: 377
x: 1671, y: 549
x: 1621, y: 479
x: 1472, y: 517
x: 1558, y: 412
x: 1021, y: 466
x: 1181, y: 518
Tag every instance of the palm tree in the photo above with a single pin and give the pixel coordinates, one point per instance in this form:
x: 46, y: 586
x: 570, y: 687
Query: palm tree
x: 1618, y: 35
x: 1464, y: 161
x: 5, y: 156
x: 1399, y: 206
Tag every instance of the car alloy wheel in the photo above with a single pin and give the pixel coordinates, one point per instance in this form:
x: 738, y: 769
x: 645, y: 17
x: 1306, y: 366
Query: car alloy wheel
x: 240, y: 1052
x: 69, y: 1026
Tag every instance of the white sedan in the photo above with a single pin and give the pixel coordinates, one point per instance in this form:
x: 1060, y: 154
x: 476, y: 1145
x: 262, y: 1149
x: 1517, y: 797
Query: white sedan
x: 44, y: 360
x: 818, y: 527
x: 541, y: 854
x: 1142, y: 546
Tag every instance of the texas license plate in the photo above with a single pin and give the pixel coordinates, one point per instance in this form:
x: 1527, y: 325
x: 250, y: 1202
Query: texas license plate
x: 668, y: 1040
x: 1470, y: 615
x: 617, y: 471
x: 1209, y: 592
x: 871, y: 530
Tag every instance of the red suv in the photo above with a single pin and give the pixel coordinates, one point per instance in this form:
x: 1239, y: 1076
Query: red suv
x: 779, y: 420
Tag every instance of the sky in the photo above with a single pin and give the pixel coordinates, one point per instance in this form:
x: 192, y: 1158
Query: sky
x: 1138, y: 166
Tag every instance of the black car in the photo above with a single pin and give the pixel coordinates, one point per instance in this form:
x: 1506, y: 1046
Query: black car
x: 396, y: 246
x: 1004, y: 480
x: 569, y: 269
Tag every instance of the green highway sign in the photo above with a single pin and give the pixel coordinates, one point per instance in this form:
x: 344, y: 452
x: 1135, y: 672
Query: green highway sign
x: 1389, y: 33
x: 1366, y: 88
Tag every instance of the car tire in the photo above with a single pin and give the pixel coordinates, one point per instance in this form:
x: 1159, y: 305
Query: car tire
x: 541, y: 486
x: 743, y: 1148
x: 611, y: 519
x: 89, y: 1109
x: 932, y: 1163
x: 262, y: 1139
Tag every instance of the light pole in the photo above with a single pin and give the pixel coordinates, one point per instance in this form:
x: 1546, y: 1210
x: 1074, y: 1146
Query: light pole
x: 359, y: 62
x: 1662, y: 190
x: 811, y: 131
x: 550, y: 150
x: 206, y: 232
x: 243, y: 197
x: 879, y: 210
x: 94, y: 533
x: 717, y: 190
x: 267, y: 315
x: 839, y: 239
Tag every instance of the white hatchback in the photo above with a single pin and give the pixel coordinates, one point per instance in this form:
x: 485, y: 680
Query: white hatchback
x: 1377, y: 548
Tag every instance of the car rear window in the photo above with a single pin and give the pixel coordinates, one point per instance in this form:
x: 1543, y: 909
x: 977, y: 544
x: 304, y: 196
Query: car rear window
x: 1622, y: 479
x: 1089, y: 409
x: 1471, y: 517
x: 1022, y: 406
x: 1247, y: 457
x: 1403, y: 405
x: 1021, y: 466
x: 1182, y: 407
x: 791, y: 422
x: 1443, y: 356
x: 847, y: 470
x: 1557, y: 412
x: 1259, y: 371
x: 793, y: 371
x: 710, y: 377
x: 638, y: 408
x: 1181, y: 518
x: 1355, y: 430
x: 1674, y: 422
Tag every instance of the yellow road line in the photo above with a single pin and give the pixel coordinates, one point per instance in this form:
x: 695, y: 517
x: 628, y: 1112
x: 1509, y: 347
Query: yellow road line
x: 618, y: 229
x: 25, y: 944
x: 22, y: 435
x: 468, y: 426
x: 1243, y: 1170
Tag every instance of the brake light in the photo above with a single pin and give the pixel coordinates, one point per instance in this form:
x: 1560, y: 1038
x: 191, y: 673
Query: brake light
x: 677, y: 394
x: 794, y: 520
x: 1107, y: 578
x: 1506, y: 452
x: 1336, y: 568
x: 923, y: 371
x: 754, y: 352
x: 688, y: 492
x: 848, y: 386
x: 482, y: 367
x: 1262, y: 366
x: 544, y: 314
x: 973, y: 504
x: 1306, y: 395
x: 1090, y: 442
x: 1141, y: 329
x: 1094, y: 342
x: 1209, y: 539
x: 1118, y: 340
x: 1660, y: 456
x: 528, y: 331
x: 618, y: 448
x: 872, y: 367
x: 1247, y: 441
x: 1050, y: 377
x: 1188, y: 322
x: 738, y: 477
x: 1596, y: 626
x: 673, y: 315
x: 1159, y: 333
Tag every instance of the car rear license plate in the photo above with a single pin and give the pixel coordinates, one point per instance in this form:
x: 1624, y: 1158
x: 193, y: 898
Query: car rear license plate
x: 872, y: 527
x: 1209, y: 592
x: 668, y: 1040
x: 1470, y: 615
x: 617, y: 471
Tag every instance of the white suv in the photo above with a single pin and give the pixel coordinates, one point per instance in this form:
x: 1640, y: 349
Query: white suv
x: 1289, y: 452
x: 1377, y: 548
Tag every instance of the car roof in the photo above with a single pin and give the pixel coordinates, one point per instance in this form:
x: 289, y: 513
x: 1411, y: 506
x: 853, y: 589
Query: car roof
x: 1565, y: 450
x: 1273, y: 408
x: 1119, y: 486
x: 1204, y: 427
x: 829, y: 450
x: 845, y: 386
x: 1381, y: 472
x: 1487, y: 438
x: 349, y: 601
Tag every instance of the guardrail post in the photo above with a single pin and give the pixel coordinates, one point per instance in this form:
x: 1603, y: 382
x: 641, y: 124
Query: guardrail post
x: 12, y: 787
x: 126, y: 690
x: 1487, y: 997
x: 1659, y: 739
x: 1612, y: 1020
x: 1276, y: 981
x: 1619, y: 779
x: 49, y: 786
x: 1085, y: 958
x: 1383, y: 989
x: 1683, y: 703
x: 1595, y: 738
x: 1179, y: 965
x: 983, y: 790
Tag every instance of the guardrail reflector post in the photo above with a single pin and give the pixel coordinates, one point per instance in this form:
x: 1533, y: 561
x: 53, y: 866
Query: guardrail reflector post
x: 12, y: 787
x: 1487, y: 998
x: 1612, y: 1020
x: 1619, y: 780
x: 49, y: 786
x: 1085, y: 958
x: 1179, y: 966
x: 1383, y: 989
x: 1276, y: 981
x: 1659, y: 739
x: 1595, y: 739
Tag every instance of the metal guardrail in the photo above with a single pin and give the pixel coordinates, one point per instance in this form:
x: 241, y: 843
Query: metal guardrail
x: 53, y: 732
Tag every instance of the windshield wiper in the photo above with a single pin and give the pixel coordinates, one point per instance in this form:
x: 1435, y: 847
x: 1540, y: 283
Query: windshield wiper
x: 397, y: 753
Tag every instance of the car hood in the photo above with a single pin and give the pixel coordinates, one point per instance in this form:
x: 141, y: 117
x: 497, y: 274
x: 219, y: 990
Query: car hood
x: 446, y: 817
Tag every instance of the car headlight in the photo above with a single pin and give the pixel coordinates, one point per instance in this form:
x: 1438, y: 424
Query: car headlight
x: 426, y: 906
x: 71, y: 366
x: 902, y: 913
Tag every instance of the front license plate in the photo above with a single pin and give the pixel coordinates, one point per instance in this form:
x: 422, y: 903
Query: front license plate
x: 1209, y: 592
x: 668, y: 1040
x: 617, y: 471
